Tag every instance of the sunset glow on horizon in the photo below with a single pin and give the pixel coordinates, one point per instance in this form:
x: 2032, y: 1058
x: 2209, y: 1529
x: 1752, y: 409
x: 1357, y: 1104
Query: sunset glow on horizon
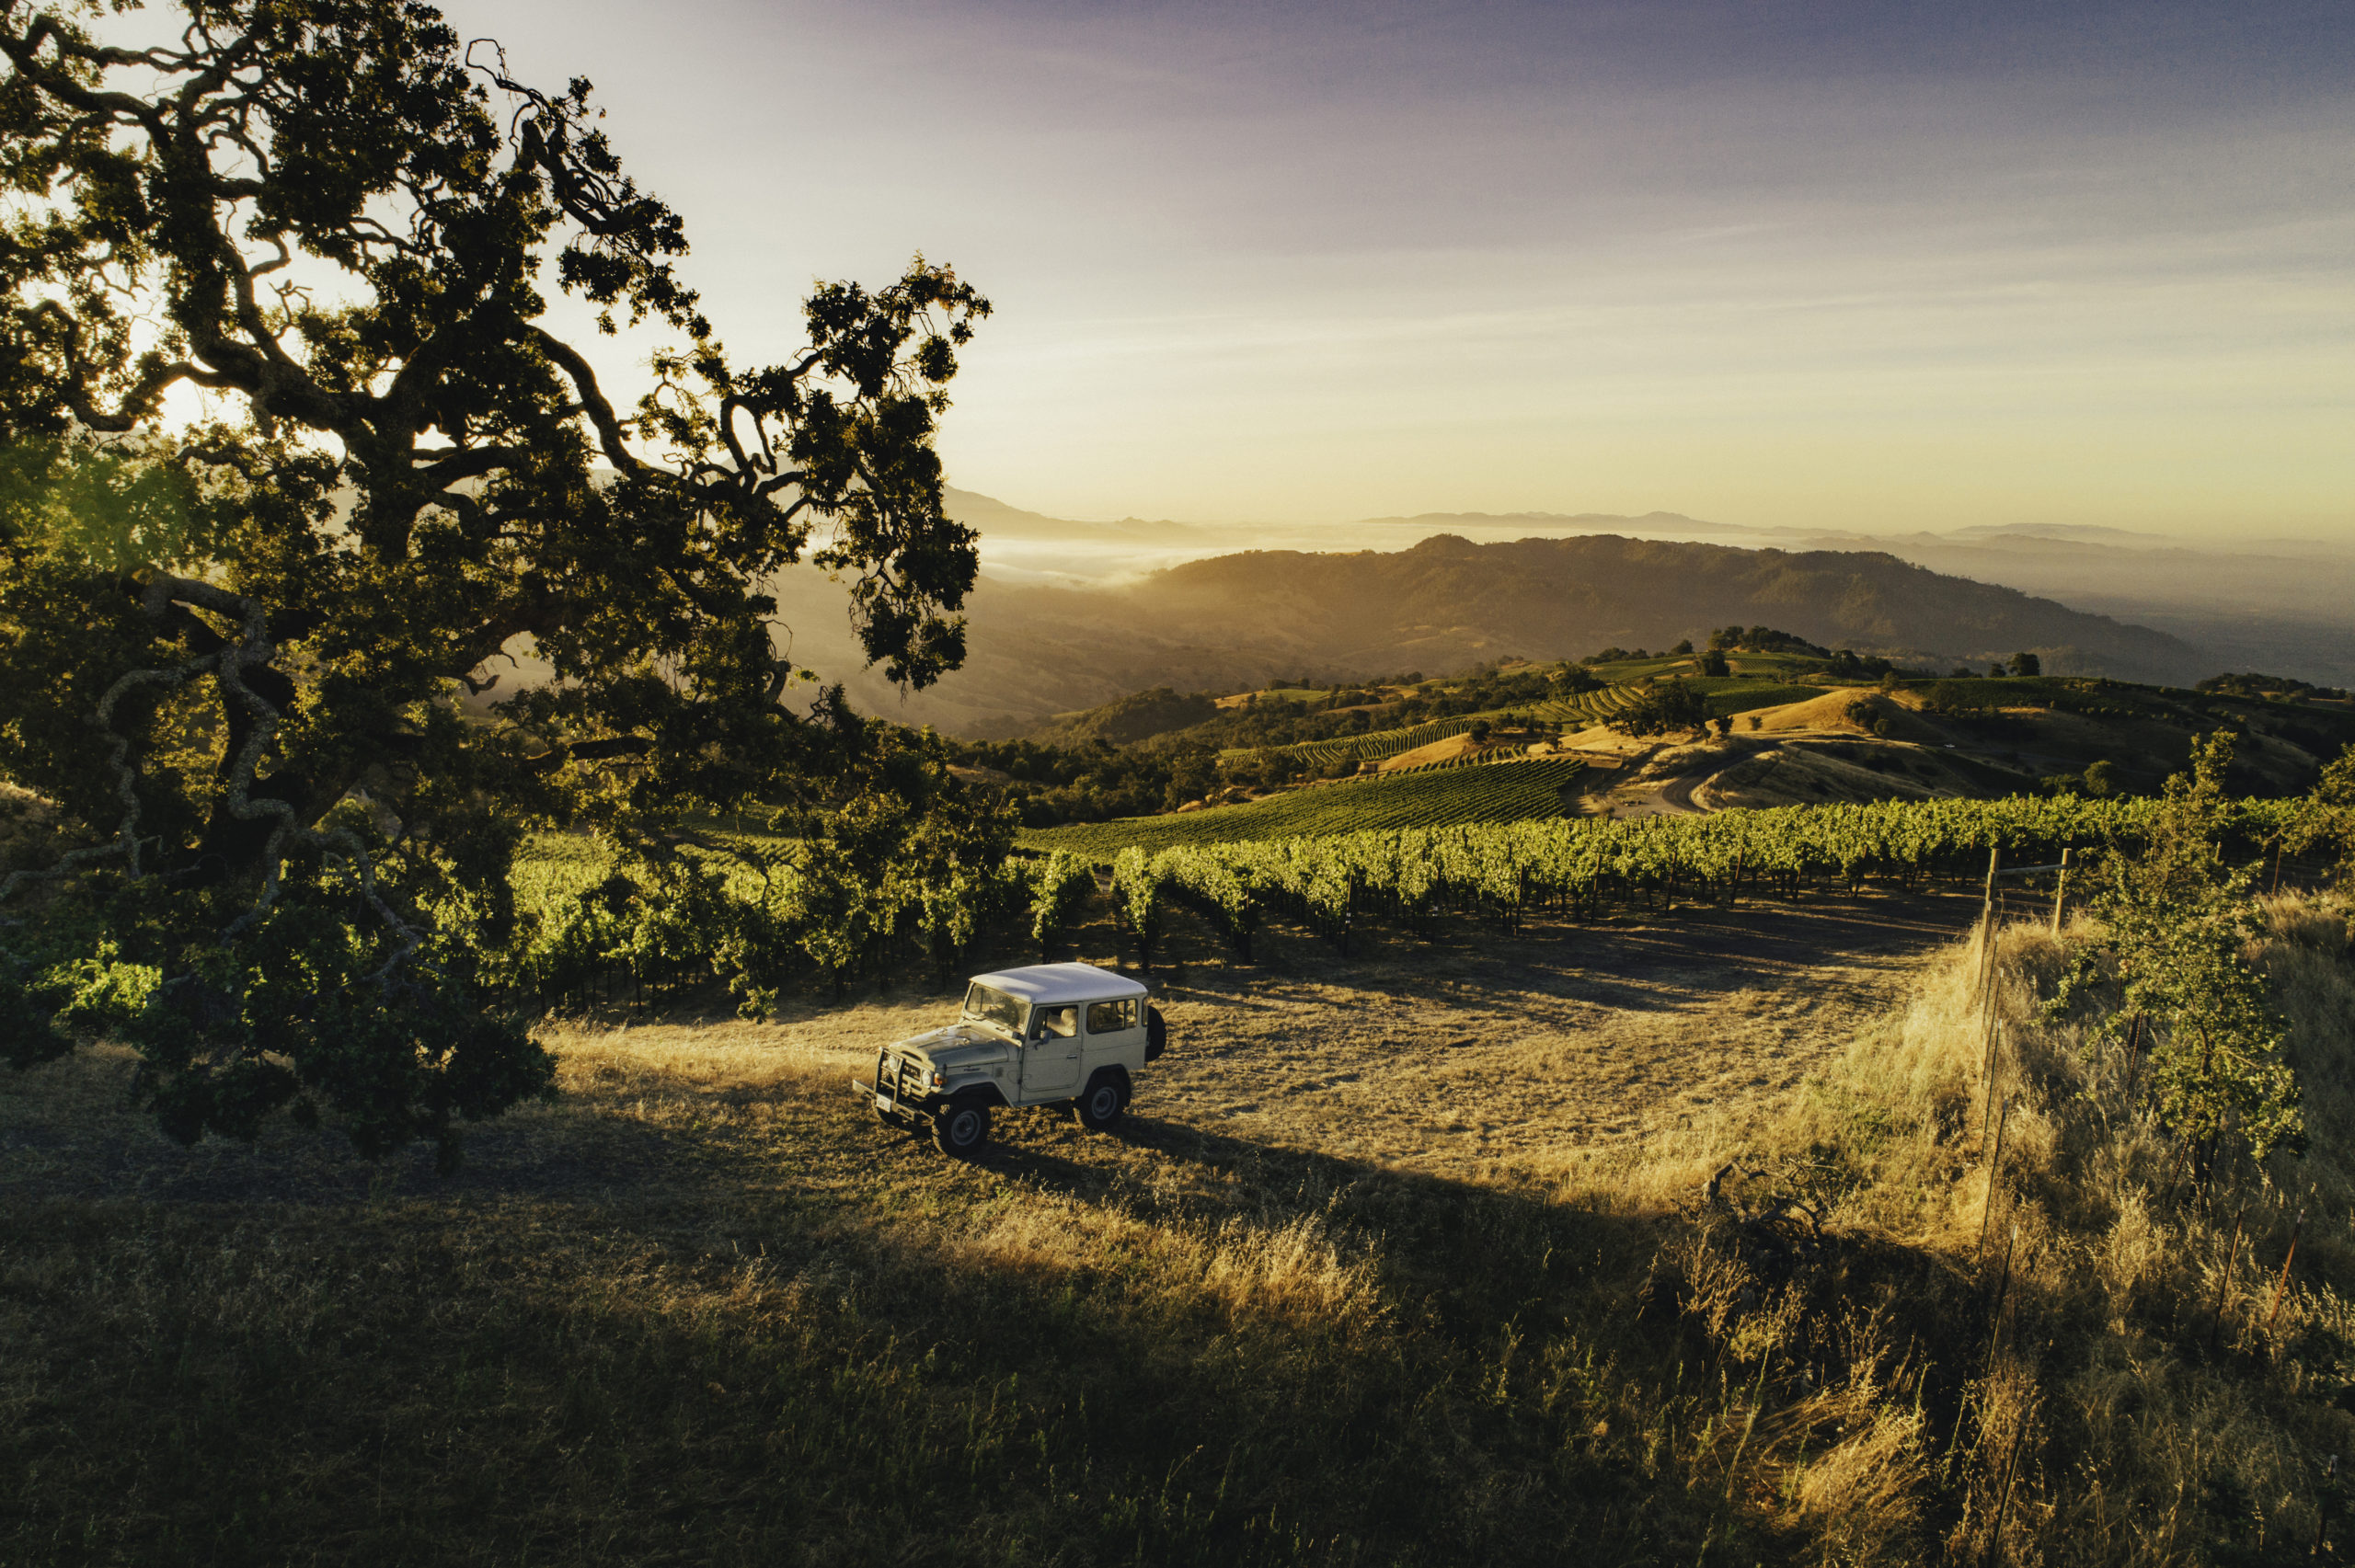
x: 1866, y: 267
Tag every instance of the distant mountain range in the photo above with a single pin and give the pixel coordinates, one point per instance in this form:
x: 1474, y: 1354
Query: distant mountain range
x: 1098, y: 614
x: 2285, y: 605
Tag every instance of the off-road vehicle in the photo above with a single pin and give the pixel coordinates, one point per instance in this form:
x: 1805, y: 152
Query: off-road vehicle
x: 1049, y: 1035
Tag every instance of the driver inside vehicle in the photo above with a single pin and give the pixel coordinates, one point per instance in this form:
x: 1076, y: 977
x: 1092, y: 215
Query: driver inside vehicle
x: 1059, y: 1023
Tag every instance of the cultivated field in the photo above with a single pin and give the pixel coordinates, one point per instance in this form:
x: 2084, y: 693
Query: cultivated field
x: 1468, y: 791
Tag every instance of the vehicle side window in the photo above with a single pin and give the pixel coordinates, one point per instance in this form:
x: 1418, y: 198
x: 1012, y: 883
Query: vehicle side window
x: 1061, y: 1022
x: 1111, y: 1017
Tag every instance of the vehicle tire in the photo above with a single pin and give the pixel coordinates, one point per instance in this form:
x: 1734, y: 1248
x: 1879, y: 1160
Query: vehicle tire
x: 1102, y: 1102
x: 962, y: 1128
x: 1156, y: 1033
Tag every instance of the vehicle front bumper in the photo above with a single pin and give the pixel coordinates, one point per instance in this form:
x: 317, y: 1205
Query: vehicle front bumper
x: 898, y: 1095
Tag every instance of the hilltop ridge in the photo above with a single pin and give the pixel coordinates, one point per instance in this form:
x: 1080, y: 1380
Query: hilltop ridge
x: 1232, y: 622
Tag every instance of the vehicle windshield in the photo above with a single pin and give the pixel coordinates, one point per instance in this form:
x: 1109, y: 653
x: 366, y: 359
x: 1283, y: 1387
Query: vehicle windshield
x: 984, y: 1005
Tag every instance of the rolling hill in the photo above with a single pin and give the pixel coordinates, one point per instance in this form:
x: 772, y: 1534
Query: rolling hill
x: 1235, y: 620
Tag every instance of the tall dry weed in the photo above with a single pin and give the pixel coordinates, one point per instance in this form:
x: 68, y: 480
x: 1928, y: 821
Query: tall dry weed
x: 2189, y: 1393
x: 1298, y: 1272
x: 2131, y: 1367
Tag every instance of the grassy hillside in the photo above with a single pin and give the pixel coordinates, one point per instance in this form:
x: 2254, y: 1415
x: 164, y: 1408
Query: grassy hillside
x: 1482, y: 792
x: 1551, y: 598
x: 1827, y: 737
x: 1137, y: 716
x: 1372, y: 722
x: 1454, y: 1255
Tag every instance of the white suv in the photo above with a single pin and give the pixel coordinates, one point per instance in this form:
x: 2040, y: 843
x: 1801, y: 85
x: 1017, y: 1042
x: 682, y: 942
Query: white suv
x: 1047, y: 1035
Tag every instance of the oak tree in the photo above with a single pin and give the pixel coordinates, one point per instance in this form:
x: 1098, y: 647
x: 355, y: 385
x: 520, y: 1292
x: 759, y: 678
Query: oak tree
x: 290, y: 459
x: 1664, y: 705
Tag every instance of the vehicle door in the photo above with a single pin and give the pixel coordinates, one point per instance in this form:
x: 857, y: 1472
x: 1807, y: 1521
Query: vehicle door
x: 1108, y: 1024
x: 1050, y: 1053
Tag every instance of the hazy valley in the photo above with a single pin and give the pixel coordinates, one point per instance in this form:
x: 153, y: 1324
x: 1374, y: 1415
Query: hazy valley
x: 1072, y: 615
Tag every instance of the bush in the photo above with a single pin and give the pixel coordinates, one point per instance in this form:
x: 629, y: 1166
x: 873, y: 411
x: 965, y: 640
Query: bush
x: 1665, y: 705
x: 1960, y: 697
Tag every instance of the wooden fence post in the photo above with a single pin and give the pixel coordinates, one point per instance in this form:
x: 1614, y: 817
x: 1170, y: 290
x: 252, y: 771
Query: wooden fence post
x: 1994, y: 1173
x: 2283, y: 1284
x: 1987, y: 916
x: 2224, y: 1280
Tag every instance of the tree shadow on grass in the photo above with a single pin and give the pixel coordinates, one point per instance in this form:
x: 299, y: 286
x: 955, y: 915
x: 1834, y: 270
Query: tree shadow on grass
x: 770, y: 1330
x: 1630, y: 961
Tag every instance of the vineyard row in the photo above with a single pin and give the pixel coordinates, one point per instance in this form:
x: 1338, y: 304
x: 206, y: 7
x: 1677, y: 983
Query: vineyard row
x: 1582, y: 868
x: 1381, y: 745
x: 763, y: 927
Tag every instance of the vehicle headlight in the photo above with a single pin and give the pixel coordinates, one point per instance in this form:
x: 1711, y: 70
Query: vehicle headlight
x: 938, y: 1077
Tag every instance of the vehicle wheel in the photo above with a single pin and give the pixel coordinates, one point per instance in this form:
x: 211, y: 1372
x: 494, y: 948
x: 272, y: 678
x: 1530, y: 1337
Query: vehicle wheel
x: 1101, y: 1105
x: 961, y: 1129
x: 1156, y: 1033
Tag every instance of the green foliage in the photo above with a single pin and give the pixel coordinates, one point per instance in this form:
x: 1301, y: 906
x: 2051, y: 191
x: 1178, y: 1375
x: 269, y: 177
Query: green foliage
x: 1972, y: 696
x: 2176, y: 921
x: 231, y: 657
x: 1501, y: 868
x: 29, y: 1033
x: 2265, y: 687
x: 1138, y: 717
x: 1764, y: 639
x: 1722, y: 698
x: 906, y: 864
x: 1665, y: 705
x: 1362, y: 725
x: 1059, y: 884
x: 2327, y: 822
x: 1089, y: 782
x: 1575, y: 679
x: 1137, y: 879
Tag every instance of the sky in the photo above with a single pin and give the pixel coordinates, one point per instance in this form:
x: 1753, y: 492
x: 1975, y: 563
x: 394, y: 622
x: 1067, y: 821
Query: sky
x: 1882, y: 267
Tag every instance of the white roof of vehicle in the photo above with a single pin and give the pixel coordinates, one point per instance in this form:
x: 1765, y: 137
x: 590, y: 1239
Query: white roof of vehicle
x: 1048, y: 984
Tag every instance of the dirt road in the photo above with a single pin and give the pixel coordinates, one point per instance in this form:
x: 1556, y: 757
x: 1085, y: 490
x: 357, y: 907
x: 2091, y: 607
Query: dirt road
x: 1531, y: 1051
x: 1456, y: 1056
x: 1670, y: 796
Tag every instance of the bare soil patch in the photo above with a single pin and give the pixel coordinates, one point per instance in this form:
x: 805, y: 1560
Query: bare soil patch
x: 1538, y: 1051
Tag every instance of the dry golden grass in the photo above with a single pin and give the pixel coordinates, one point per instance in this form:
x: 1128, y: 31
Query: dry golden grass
x: 2149, y: 1400
x: 1579, y: 1048
x: 1442, y: 751
x: 1806, y: 775
x: 1849, y: 711
x: 1409, y: 1260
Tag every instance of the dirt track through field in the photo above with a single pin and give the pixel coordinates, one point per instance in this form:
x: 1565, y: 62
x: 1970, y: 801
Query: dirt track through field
x: 1477, y: 1050
x: 1459, y: 1056
x: 1530, y: 1051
